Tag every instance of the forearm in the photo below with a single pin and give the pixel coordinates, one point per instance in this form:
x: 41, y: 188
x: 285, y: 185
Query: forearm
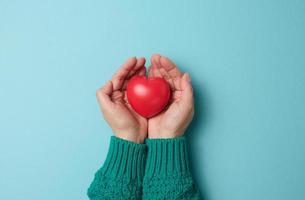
x: 167, y: 174
x: 122, y: 173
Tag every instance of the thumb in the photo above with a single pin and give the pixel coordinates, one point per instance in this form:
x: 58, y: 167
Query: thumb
x: 187, y: 91
x: 104, y: 95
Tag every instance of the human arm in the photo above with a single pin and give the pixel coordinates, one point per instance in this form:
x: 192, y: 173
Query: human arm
x: 121, y: 175
x: 167, y: 173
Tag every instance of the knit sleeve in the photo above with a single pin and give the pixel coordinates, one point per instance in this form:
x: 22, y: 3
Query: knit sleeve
x: 122, y: 173
x: 167, y: 174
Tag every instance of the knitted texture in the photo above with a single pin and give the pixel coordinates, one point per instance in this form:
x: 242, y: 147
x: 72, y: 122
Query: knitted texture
x: 122, y: 173
x: 167, y: 173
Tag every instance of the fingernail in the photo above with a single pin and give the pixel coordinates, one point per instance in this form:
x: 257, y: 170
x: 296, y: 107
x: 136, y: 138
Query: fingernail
x: 187, y: 77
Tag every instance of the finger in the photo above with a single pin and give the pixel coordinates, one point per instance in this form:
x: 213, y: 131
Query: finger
x: 170, y: 67
x: 119, y: 77
x: 125, y: 98
x: 150, y: 72
x: 104, y: 95
x: 186, y: 91
x: 177, y: 83
x: 137, y: 68
x: 140, y: 72
x: 155, y: 60
x: 164, y: 73
x: 170, y: 72
x: 132, y: 111
x: 156, y: 72
x: 175, y: 97
x: 166, y: 76
x: 159, y: 71
x: 117, y: 97
x: 140, y: 63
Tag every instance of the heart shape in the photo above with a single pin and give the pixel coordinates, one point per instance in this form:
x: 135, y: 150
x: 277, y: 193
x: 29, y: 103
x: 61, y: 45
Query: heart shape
x: 148, y: 96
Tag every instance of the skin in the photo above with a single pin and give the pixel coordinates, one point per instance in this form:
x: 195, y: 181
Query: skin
x: 174, y: 120
x: 123, y: 120
x: 126, y: 123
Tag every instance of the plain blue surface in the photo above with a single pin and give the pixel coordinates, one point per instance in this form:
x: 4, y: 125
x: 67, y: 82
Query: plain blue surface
x: 246, y: 60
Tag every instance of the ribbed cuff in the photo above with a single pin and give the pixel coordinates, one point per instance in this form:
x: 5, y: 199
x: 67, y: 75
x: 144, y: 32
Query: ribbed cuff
x: 125, y: 159
x: 166, y: 157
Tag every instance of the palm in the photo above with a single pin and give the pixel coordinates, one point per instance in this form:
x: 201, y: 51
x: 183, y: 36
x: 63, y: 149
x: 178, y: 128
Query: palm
x: 167, y: 118
x: 178, y: 111
x: 117, y: 112
x: 123, y: 111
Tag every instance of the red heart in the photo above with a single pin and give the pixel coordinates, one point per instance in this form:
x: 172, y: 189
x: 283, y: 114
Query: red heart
x: 148, y: 96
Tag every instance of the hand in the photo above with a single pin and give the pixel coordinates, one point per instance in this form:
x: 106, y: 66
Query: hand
x: 123, y: 120
x: 174, y: 120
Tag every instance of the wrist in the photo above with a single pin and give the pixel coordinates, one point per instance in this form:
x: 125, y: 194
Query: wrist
x: 165, y: 134
x: 134, y: 136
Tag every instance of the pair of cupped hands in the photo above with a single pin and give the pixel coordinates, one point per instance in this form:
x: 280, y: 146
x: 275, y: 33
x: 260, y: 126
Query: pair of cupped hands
x: 129, y: 125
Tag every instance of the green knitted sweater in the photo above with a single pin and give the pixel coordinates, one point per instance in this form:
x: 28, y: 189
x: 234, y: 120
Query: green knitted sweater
x: 158, y: 169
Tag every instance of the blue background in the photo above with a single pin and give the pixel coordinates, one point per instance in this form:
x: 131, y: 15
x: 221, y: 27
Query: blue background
x: 246, y: 60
